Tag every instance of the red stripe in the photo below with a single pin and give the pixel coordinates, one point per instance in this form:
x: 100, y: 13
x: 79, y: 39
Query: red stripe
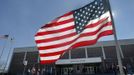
x: 69, y: 42
x: 47, y: 61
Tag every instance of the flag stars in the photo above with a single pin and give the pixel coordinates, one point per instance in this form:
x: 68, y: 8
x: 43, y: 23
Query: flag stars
x: 80, y: 10
x: 101, y: 3
x: 76, y: 17
x: 83, y: 15
x: 90, y: 5
x: 99, y: 12
x: 103, y: 12
x: 83, y: 12
x: 98, y: 7
x: 87, y: 17
x: 85, y: 21
x: 82, y: 24
x: 102, y: 8
x: 91, y: 10
x: 78, y: 13
x: 96, y: 3
x: 77, y: 22
x: 78, y: 31
x: 93, y: 14
x: 80, y: 28
x: 97, y: 16
x: 86, y: 8
x: 86, y: 13
x: 93, y: 6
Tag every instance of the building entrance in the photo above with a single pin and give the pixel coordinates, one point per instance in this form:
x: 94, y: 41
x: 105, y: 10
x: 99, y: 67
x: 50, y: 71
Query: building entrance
x: 66, y: 70
x: 78, y: 69
x: 90, y: 70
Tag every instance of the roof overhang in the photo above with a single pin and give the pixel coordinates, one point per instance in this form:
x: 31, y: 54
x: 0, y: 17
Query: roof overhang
x: 79, y: 61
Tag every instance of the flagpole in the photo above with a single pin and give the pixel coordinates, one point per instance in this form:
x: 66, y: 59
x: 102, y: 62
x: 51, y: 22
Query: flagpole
x: 25, y: 64
x: 116, y: 43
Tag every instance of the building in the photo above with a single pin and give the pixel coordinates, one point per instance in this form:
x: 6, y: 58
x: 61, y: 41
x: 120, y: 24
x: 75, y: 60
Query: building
x: 97, y: 58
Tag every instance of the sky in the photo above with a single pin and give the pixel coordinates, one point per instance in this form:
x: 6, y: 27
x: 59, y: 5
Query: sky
x: 21, y: 19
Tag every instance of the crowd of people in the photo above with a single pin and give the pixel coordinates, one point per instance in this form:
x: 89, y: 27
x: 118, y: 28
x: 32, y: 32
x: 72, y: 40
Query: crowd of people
x: 114, y: 69
x: 127, y: 69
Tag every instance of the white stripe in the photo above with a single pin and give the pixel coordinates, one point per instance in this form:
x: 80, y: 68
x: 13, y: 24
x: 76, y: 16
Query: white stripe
x: 86, y: 38
x: 65, y: 33
x: 50, y: 57
x: 57, y: 27
x: 65, y: 18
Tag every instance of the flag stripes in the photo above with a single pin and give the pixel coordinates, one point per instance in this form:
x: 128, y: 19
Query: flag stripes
x: 60, y: 35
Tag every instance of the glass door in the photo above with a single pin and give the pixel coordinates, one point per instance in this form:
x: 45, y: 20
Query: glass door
x: 67, y: 70
x: 90, y: 70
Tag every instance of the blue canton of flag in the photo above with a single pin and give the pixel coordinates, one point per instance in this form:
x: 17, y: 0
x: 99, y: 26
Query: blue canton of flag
x: 87, y: 13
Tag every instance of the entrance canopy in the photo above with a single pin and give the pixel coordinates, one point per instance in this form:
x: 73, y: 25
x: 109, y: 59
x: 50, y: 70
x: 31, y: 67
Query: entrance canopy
x: 79, y: 61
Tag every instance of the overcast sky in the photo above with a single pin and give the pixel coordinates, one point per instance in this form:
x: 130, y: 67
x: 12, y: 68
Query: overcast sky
x: 22, y: 18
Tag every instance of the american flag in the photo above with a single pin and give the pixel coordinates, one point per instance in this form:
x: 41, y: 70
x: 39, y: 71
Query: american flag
x: 4, y: 36
x: 80, y: 27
